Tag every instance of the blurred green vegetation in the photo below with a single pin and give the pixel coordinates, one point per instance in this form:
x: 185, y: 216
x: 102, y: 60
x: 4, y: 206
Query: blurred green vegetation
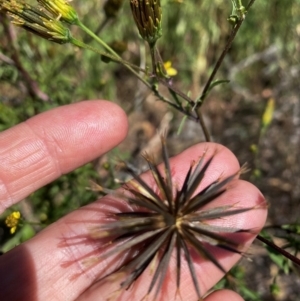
x: 194, y: 34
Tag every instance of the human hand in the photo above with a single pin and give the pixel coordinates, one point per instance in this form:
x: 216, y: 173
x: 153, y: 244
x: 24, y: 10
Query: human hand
x: 38, y: 151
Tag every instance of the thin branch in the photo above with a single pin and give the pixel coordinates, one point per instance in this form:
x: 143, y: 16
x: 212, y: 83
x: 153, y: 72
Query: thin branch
x: 286, y: 254
x: 219, y: 62
x: 200, y: 99
x: 69, y: 58
x: 222, y: 56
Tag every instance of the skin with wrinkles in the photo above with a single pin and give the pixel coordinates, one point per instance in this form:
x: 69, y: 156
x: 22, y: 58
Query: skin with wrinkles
x: 38, y: 151
x: 53, y: 143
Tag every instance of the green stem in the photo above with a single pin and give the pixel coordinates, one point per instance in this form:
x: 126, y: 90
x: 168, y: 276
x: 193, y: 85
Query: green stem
x: 234, y: 31
x: 113, y: 58
x: 114, y: 55
x: 219, y: 63
x: 162, y: 77
x: 203, y: 125
x: 100, y: 41
x: 153, y: 59
x: 176, y: 106
x: 201, y: 98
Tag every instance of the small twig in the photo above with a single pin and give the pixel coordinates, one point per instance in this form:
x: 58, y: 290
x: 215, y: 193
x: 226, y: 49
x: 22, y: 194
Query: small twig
x: 199, y: 100
x: 166, y: 80
x: 156, y: 60
x: 219, y: 62
x: 175, y: 106
x: 232, y: 36
x: 286, y: 254
x: 203, y: 126
x: 176, y: 91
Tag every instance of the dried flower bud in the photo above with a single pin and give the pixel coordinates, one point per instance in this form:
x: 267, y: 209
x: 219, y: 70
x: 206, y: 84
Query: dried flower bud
x: 112, y: 7
x: 36, y: 21
x: 61, y: 10
x: 147, y: 15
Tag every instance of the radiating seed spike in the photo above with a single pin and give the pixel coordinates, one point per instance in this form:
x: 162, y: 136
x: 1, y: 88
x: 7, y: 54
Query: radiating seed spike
x: 221, y: 229
x: 195, y: 182
x: 166, y: 161
x: 201, y: 215
x: 225, y: 213
x: 201, y: 249
x: 218, y: 238
x: 133, y: 214
x: 201, y: 200
x: 163, y: 264
x: 228, y: 248
x: 148, y: 190
x: 145, y: 202
x: 163, y: 187
x: 210, y: 187
x: 96, y: 187
x: 136, y: 272
x: 180, y: 197
x: 208, y: 196
x: 191, y: 267
x: 197, y: 167
x: 178, y: 260
x: 156, y: 204
x: 141, y: 261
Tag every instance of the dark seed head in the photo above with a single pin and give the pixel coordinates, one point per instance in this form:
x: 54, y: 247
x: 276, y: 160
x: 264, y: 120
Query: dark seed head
x: 166, y: 221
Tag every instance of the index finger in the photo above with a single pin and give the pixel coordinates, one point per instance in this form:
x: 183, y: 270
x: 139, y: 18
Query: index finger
x: 37, y: 151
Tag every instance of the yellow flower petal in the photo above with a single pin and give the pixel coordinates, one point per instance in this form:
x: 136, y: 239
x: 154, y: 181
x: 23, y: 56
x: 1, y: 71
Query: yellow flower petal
x: 169, y: 69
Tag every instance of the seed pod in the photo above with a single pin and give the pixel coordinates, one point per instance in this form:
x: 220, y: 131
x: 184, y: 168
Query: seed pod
x: 147, y: 15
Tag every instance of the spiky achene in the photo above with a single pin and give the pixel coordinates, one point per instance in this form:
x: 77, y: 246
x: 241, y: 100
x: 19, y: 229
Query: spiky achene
x: 168, y: 220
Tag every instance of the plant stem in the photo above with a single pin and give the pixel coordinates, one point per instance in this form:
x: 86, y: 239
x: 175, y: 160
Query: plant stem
x: 157, y: 61
x: 234, y: 31
x: 68, y: 59
x: 233, y: 34
x: 203, y: 126
x: 113, y: 58
x: 114, y: 55
x: 286, y: 254
x: 153, y: 59
x: 200, y: 99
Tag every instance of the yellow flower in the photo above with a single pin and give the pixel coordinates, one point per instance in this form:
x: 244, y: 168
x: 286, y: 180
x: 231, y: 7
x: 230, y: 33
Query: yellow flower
x: 36, y: 21
x: 268, y: 113
x: 169, y: 69
x: 12, y: 221
x: 61, y: 9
